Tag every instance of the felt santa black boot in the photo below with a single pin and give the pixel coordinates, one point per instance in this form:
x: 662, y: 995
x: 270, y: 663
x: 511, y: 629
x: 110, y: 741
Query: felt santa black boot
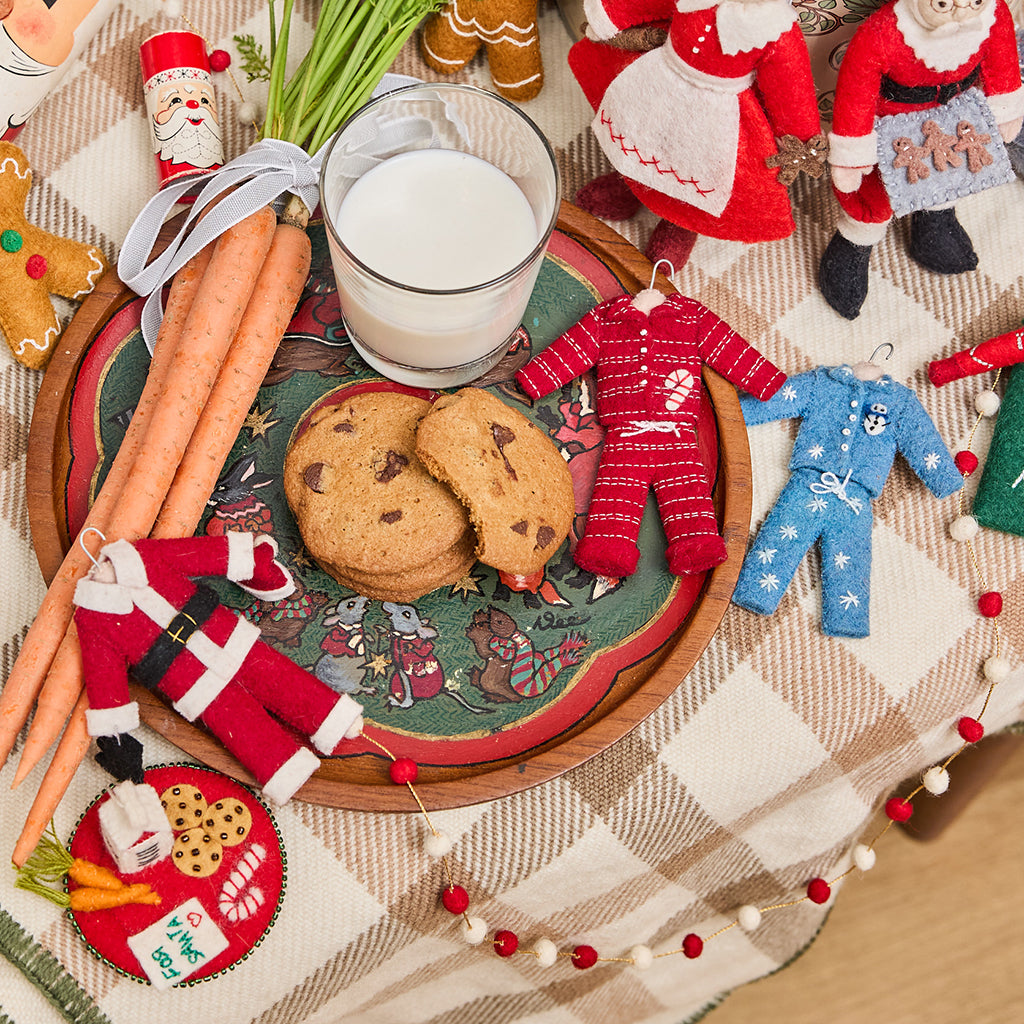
x: 939, y: 243
x: 843, y: 275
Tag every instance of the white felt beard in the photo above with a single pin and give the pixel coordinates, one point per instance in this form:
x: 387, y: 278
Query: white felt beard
x: 746, y: 26
x: 947, y: 47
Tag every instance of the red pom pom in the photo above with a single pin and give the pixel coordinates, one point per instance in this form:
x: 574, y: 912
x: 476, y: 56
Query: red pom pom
x: 584, y: 957
x: 693, y: 946
x: 990, y: 604
x: 970, y: 729
x: 506, y: 942
x: 966, y: 462
x: 455, y: 899
x: 818, y: 890
x: 35, y: 266
x: 404, y: 770
x: 898, y: 809
x: 219, y: 60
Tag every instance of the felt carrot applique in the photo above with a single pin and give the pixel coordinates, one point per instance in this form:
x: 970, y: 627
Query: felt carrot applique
x: 96, y: 887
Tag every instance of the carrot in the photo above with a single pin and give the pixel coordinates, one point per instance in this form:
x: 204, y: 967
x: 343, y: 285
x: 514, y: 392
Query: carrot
x: 53, y: 705
x: 87, y: 898
x: 277, y: 293
x: 66, y: 759
x: 212, y: 322
x: 51, y: 623
x: 96, y: 876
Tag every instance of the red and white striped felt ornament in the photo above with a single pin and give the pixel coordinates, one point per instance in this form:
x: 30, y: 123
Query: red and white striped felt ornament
x: 239, y: 899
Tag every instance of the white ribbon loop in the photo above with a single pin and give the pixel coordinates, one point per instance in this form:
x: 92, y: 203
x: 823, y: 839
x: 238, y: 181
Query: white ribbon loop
x: 651, y: 426
x: 259, y: 177
x: 831, y: 484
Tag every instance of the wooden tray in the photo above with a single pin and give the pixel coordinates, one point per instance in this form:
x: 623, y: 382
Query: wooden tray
x: 631, y: 681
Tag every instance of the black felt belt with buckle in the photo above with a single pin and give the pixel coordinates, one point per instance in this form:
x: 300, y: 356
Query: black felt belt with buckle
x: 896, y: 92
x: 153, y: 665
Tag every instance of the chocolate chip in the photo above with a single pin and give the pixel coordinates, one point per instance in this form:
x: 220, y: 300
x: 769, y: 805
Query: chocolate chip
x: 521, y: 527
x: 502, y: 436
x: 391, y: 517
x: 392, y: 467
x: 545, y: 535
x: 344, y: 428
x: 313, y: 476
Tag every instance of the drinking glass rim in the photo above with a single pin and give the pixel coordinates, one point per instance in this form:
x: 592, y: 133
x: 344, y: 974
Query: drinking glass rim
x: 536, y: 251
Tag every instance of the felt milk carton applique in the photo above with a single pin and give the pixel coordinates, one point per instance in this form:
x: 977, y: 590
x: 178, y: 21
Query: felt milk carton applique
x: 678, y: 384
x: 876, y: 419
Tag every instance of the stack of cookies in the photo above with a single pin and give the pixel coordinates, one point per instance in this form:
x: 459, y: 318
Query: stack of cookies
x: 395, y: 497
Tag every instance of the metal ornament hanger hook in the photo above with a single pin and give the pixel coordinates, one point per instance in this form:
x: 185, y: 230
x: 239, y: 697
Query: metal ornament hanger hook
x: 654, y: 272
x: 81, y: 541
x: 885, y: 344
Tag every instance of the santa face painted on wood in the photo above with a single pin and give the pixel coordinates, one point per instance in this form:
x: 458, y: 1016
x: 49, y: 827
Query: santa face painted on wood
x: 688, y: 126
x: 941, y: 78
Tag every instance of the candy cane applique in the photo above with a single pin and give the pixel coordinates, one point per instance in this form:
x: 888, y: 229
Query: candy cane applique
x: 679, y: 384
x: 239, y: 900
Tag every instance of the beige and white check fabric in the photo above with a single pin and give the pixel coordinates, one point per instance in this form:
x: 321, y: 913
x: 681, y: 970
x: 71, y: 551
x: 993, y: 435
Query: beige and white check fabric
x: 760, y: 771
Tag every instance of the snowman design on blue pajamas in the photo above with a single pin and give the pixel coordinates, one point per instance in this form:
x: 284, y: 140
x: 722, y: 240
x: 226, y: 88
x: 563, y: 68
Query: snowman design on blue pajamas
x: 842, y: 456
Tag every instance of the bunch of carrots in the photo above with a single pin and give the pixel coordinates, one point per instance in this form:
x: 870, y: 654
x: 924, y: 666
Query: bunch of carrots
x: 96, y: 887
x: 226, y: 313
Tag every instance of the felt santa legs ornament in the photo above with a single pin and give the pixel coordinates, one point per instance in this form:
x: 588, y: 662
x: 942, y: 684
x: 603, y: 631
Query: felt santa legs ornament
x: 690, y: 126
x: 927, y: 93
x: 648, y: 351
x: 139, y: 613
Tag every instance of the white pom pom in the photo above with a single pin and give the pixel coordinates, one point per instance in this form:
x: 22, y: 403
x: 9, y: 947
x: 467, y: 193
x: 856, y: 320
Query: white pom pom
x: 749, y: 917
x: 547, y: 952
x: 863, y: 857
x: 474, y: 930
x: 936, y: 780
x: 964, y: 528
x: 172, y: 8
x: 247, y: 112
x: 642, y: 957
x: 996, y: 669
x: 987, y: 403
x: 437, y: 845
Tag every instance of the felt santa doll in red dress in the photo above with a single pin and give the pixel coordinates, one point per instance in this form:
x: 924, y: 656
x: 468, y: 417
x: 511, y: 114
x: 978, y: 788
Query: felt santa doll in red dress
x: 691, y: 126
x: 912, y: 65
x: 140, y: 613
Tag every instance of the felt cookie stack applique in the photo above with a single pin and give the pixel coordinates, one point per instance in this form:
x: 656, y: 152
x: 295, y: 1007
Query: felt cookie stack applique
x: 34, y: 265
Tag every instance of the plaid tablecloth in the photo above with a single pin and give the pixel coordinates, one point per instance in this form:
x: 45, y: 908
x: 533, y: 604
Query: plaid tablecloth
x: 763, y: 768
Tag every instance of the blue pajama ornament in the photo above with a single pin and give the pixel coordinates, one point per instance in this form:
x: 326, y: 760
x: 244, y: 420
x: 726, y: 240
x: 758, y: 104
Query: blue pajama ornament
x: 844, y: 450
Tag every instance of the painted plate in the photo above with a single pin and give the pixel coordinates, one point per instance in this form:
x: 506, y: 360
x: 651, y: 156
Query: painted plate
x: 585, y: 651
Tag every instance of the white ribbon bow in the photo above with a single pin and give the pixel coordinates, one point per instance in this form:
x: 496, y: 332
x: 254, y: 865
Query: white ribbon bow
x: 831, y: 484
x: 260, y: 177
x: 651, y: 426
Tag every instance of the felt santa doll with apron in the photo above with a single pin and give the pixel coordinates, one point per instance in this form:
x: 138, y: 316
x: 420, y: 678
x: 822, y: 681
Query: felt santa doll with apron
x: 690, y: 127
x: 927, y: 94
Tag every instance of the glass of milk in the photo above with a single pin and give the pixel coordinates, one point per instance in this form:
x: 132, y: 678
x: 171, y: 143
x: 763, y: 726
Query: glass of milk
x: 438, y: 201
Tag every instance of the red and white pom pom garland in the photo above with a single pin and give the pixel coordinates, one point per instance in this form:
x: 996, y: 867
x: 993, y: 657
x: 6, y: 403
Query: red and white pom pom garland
x: 897, y: 809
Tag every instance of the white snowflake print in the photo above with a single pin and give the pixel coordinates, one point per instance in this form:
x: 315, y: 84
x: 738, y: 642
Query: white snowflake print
x: 816, y: 452
x: 849, y: 600
x: 788, y: 532
x: 765, y: 555
x: 931, y: 460
x: 818, y: 504
x: 789, y: 393
x: 769, y: 582
x: 841, y: 560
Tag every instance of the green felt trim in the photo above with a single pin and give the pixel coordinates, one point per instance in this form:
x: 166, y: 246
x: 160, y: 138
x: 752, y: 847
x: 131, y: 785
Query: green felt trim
x: 47, y: 973
x: 999, y: 503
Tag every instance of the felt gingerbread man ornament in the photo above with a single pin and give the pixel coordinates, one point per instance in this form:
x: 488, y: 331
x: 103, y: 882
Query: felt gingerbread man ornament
x: 691, y: 126
x: 506, y: 29
x: 35, y: 264
x: 945, y: 68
